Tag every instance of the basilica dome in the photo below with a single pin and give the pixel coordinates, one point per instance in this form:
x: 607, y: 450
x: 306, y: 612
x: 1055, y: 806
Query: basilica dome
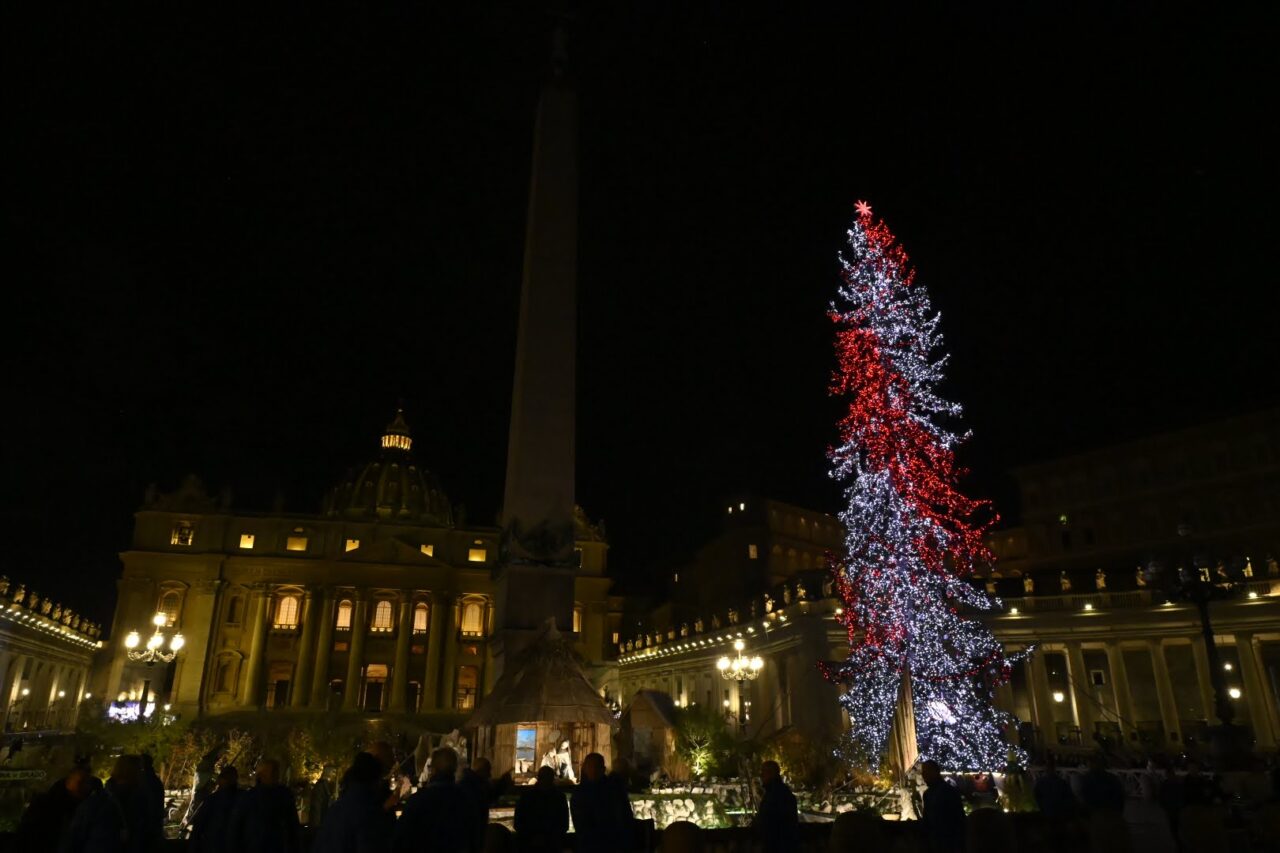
x: 393, y: 487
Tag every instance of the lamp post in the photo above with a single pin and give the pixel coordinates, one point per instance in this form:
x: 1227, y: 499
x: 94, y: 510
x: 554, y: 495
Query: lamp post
x: 153, y: 653
x: 741, y: 669
x: 1199, y: 585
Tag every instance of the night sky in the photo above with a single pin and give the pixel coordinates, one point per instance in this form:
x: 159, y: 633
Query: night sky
x: 236, y: 243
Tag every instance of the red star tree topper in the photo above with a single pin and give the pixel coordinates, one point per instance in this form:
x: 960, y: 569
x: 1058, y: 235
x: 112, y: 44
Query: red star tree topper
x: 913, y: 539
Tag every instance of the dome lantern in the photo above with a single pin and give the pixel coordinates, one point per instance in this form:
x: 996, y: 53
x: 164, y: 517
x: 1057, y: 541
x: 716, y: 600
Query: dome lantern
x: 397, y: 435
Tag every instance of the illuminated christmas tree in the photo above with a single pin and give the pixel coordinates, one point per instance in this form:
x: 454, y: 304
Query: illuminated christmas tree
x: 913, y: 539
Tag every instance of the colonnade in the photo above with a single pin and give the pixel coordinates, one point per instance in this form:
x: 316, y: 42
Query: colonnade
x: 1086, y: 711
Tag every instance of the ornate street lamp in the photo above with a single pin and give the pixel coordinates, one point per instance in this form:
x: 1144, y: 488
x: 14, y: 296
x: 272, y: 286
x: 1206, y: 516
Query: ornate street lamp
x: 741, y: 669
x: 1201, y: 585
x: 154, y: 652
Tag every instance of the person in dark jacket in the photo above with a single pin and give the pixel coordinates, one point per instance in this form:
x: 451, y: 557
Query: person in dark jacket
x: 542, y: 815
x: 1053, y: 793
x: 153, y: 790
x: 439, y: 816
x: 601, y: 812
x: 265, y: 818
x: 777, y: 819
x: 114, y: 819
x: 48, y: 817
x: 210, y: 822
x: 477, y: 782
x: 358, y: 821
x: 943, y: 810
x: 1100, y: 790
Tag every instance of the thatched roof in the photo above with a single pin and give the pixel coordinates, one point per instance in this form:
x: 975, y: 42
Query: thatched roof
x: 544, y: 684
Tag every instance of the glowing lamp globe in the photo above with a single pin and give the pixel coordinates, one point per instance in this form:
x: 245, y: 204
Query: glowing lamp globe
x: 159, y: 620
x: 722, y: 664
x: 757, y: 663
x: 155, y: 642
x: 131, y: 641
x: 177, y: 642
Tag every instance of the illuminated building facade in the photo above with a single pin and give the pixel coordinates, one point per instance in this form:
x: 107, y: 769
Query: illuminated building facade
x: 46, y: 653
x: 1116, y: 659
x: 381, y: 603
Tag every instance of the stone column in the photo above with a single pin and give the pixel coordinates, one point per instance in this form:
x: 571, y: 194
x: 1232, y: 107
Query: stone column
x: 1081, y: 692
x: 450, y: 653
x: 400, y: 670
x: 320, y: 676
x: 251, y: 696
x: 199, y: 627
x: 1164, y: 692
x: 1120, y: 688
x: 1042, y: 704
x: 355, y: 655
x: 133, y: 613
x: 1200, y: 655
x: 1261, y: 714
x: 11, y: 678
x: 7, y: 660
x: 431, y: 679
x: 301, y: 692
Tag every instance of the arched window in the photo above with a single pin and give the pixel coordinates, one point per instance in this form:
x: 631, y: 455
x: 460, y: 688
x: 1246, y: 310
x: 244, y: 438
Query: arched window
x: 421, y: 615
x: 224, y: 682
x: 577, y: 619
x: 287, y: 612
x: 344, y: 616
x: 382, y: 616
x: 472, y: 619
x: 234, y: 607
x: 169, y: 604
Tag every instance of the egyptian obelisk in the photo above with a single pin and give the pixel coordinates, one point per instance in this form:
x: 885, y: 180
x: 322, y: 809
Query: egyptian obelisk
x: 534, y: 580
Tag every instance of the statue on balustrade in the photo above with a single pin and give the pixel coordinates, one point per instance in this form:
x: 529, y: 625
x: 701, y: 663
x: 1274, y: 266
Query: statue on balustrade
x: 1064, y: 581
x: 1100, y: 579
x: 698, y: 626
x: 1140, y: 577
x: 786, y: 594
x: 768, y: 603
x: 1028, y: 584
x: 715, y: 621
x: 684, y: 629
x: 733, y: 616
x: 801, y: 593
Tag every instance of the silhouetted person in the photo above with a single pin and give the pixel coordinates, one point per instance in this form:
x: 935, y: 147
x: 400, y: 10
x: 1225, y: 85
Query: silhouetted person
x: 477, y: 781
x: 212, y: 821
x: 777, y: 820
x: 1199, y: 789
x: 358, y: 821
x: 1099, y: 789
x: 943, y: 810
x: 153, y: 790
x: 265, y: 819
x: 601, y: 813
x: 1053, y: 794
x: 439, y: 816
x: 542, y: 815
x: 320, y: 798
x: 48, y: 817
x: 115, y: 818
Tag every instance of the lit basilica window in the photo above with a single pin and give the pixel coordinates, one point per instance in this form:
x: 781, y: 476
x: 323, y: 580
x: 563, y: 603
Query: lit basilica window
x: 351, y: 545
x: 287, y: 612
x: 472, y: 619
x: 381, y: 617
x: 344, y: 616
x: 429, y: 550
x: 182, y: 534
x: 753, y: 552
x: 420, y: 616
x: 296, y: 541
x: 398, y: 442
x: 477, y: 555
x: 169, y: 604
x: 577, y: 619
x: 246, y: 541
